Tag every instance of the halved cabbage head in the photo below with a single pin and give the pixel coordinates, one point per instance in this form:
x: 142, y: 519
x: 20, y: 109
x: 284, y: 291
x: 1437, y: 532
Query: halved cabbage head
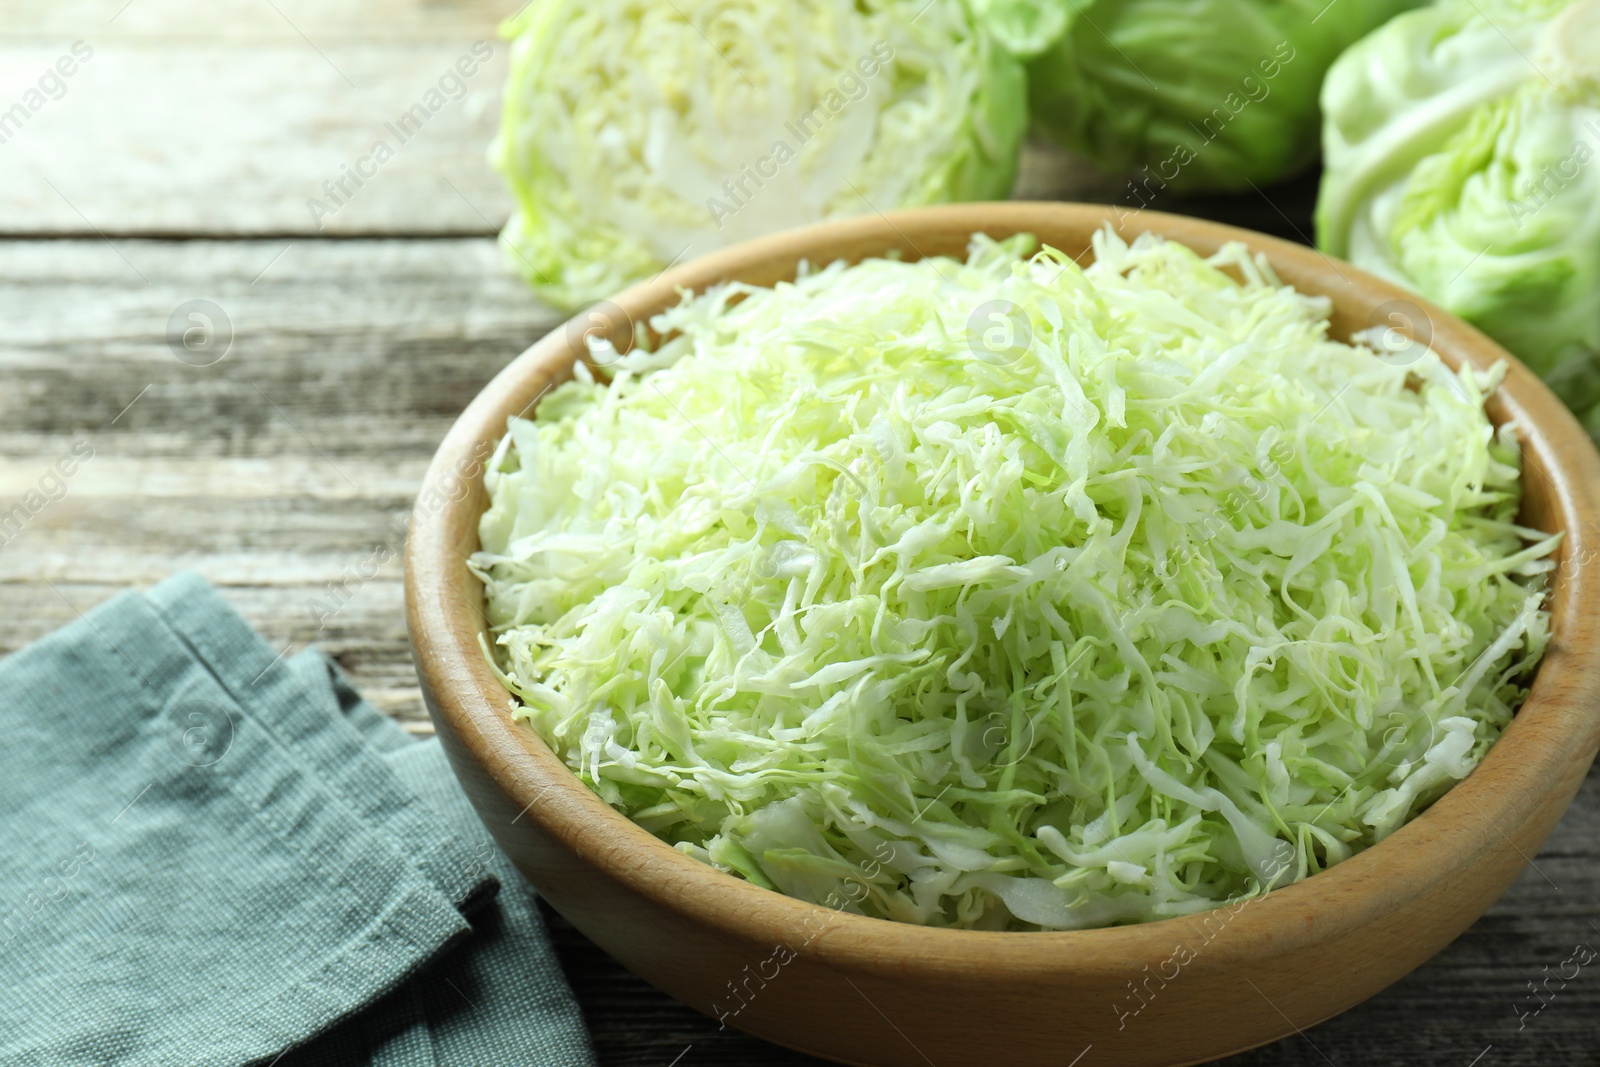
x: 1460, y: 145
x: 637, y: 133
x: 1204, y: 95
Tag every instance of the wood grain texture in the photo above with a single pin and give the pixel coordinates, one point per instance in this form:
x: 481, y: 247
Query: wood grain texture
x: 320, y: 21
x: 1295, y: 957
x: 182, y: 119
x: 283, y: 467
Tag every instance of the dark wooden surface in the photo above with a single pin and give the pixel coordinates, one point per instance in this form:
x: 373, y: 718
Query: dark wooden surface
x: 176, y: 168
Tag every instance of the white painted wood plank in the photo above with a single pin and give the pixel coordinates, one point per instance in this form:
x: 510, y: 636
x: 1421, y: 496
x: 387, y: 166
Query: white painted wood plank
x: 184, y: 118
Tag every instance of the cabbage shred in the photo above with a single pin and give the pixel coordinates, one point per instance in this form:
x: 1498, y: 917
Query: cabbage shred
x: 1007, y: 594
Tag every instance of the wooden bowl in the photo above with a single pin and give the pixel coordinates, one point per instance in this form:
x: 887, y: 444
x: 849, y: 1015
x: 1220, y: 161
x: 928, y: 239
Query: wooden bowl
x: 869, y: 991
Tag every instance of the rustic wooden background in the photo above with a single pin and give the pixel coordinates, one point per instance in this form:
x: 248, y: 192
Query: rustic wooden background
x: 176, y: 166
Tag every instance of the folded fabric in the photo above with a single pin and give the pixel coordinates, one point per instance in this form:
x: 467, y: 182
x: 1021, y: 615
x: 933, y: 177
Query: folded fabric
x: 211, y: 853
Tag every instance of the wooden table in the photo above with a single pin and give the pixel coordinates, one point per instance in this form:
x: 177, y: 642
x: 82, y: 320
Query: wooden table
x: 176, y: 165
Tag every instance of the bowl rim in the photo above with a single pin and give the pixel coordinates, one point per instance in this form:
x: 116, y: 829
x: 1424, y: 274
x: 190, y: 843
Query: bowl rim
x: 1553, y: 736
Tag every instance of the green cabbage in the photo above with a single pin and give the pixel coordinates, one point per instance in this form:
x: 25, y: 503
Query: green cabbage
x: 1460, y: 142
x: 1198, y: 95
x: 637, y: 133
x: 1008, y: 594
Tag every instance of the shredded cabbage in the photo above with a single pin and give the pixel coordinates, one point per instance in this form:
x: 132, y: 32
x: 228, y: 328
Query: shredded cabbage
x: 1009, y: 595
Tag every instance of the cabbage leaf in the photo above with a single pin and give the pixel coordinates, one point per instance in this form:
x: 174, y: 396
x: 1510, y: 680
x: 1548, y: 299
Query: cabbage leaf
x: 1460, y: 143
x: 1195, y: 95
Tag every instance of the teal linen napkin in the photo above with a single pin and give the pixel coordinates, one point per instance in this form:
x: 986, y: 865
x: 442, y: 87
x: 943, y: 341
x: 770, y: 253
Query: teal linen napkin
x: 214, y: 854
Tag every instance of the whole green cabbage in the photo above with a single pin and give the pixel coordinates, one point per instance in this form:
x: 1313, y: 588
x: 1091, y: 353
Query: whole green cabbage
x: 637, y: 133
x: 1460, y: 142
x: 1199, y: 95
